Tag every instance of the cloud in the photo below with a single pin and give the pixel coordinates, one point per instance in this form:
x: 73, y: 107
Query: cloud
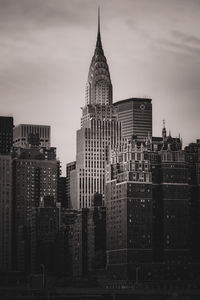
x: 179, y: 47
x: 28, y: 15
x: 186, y: 38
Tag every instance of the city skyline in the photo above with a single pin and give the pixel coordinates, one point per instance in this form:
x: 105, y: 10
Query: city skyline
x: 46, y: 49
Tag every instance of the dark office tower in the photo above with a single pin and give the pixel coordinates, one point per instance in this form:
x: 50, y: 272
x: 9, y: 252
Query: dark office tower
x: 176, y: 205
x: 22, y: 138
x: 33, y: 178
x: 6, y: 134
x: 135, y: 114
x: 70, y: 167
x: 64, y: 243
x: 129, y: 209
x: 88, y: 239
x: 47, y: 222
x: 192, y: 152
x: 79, y: 244
x: 61, y: 194
x: 5, y: 211
x: 99, y: 128
x: 97, y: 235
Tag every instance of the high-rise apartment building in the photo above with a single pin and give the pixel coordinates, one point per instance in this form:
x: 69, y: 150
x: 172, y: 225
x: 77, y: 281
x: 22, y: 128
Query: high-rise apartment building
x: 129, y: 210
x: 23, y: 132
x: 6, y: 134
x: 135, y: 114
x: 176, y: 205
x: 149, y: 210
x: 192, y: 153
x: 99, y: 128
x: 33, y: 177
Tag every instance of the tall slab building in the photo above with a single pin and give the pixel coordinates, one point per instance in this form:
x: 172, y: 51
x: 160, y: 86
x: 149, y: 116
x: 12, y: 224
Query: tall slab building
x: 149, y: 210
x: 99, y: 128
x: 22, y: 132
x: 6, y: 141
x: 5, y: 211
x: 129, y: 210
x: 35, y: 177
x: 6, y: 134
x: 135, y: 114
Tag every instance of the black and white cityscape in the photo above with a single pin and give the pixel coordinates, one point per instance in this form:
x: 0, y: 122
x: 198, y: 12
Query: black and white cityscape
x: 123, y: 223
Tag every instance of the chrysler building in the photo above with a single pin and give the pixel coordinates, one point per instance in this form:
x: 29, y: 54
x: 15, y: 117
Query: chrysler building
x: 99, y: 129
x: 99, y: 86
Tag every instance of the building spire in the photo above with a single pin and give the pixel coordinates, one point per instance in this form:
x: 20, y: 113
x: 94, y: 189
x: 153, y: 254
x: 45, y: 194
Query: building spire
x: 99, y: 86
x: 99, y: 19
x: 99, y: 44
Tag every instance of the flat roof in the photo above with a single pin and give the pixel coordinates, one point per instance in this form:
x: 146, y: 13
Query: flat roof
x: 133, y: 100
x: 34, y: 125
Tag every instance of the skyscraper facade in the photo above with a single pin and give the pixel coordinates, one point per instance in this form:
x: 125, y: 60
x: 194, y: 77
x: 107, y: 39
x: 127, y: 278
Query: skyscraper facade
x: 22, y: 132
x: 129, y: 210
x: 34, y: 177
x: 5, y: 211
x: 70, y: 167
x: 135, y: 114
x: 61, y: 191
x: 149, y: 216
x: 176, y: 205
x: 47, y: 230
x: 99, y: 128
x: 6, y: 141
x: 6, y: 134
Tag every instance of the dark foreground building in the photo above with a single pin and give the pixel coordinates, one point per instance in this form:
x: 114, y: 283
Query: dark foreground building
x: 6, y: 141
x: 5, y: 212
x: 34, y: 177
x: 88, y: 240
x: 129, y: 208
x: 149, y: 212
x: 6, y: 134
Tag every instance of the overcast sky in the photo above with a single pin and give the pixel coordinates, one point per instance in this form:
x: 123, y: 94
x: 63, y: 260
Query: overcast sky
x: 152, y: 48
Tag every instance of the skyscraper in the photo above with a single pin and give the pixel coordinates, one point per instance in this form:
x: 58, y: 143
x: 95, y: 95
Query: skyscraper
x: 21, y: 135
x: 6, y: 134
x: 6, y: 141
x: 149, y: 209
x: 99, y: 128
x: 47, y: 230
x: 135, y: 114
x: 5, y: 211
x: 70, y: 166
x: 33, y: 177
x: 129, y: 210
x: 99, y: 86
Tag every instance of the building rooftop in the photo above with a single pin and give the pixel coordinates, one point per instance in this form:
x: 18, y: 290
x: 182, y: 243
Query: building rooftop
x: 133, y: 99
